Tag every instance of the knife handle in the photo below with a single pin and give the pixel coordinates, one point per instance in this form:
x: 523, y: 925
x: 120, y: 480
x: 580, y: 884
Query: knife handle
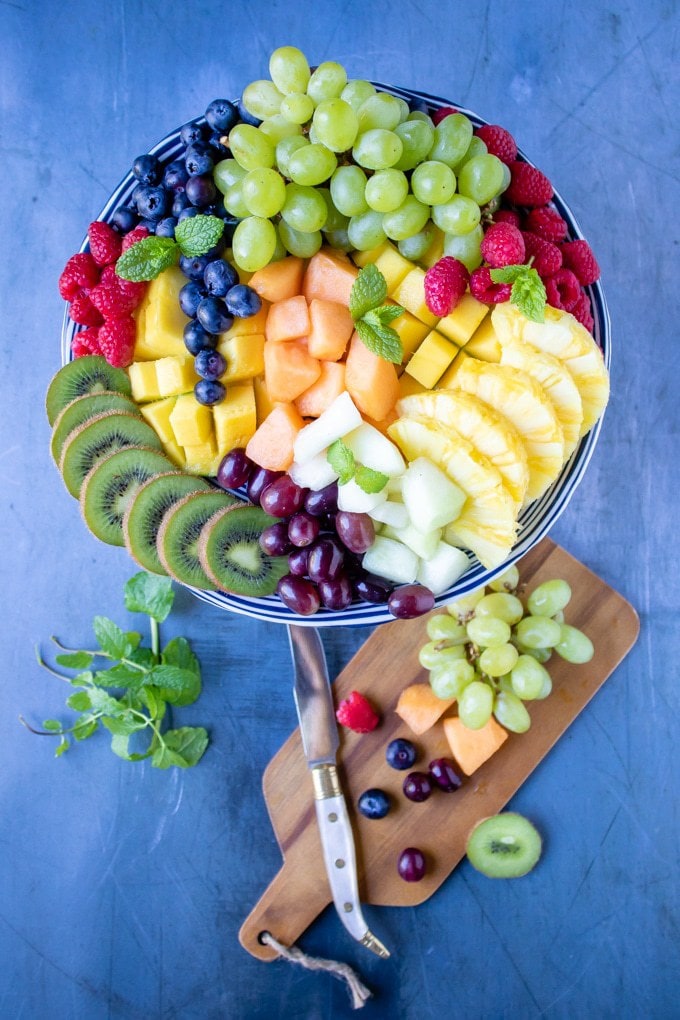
x: 338, y: 845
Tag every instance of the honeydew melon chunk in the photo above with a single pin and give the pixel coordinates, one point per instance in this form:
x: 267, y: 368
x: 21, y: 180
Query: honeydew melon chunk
x: 431, y: 498
x: 392, y: 513
x: 374, y: 450
x: 392, y: 560
x: 423, y: 544
x: 442, y: 569
x: 339, y: 418
x: 313, y: 474
x: 351, y: 497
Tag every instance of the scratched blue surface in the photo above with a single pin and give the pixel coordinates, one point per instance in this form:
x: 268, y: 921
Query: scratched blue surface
x: 122, y: 888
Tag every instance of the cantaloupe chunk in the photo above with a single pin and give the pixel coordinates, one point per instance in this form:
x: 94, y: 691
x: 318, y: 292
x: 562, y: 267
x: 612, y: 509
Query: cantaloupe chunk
x: 287, y: 320
x: 271, y: 446
x: 330, y: 327
x: 420, y: 708
x: 384, y: 423
x: 371, y: 381
x: 323, y: 392
x: 329, y: 276
x: 471, y: 748
x: 289, y: 370
x: 279, y: 280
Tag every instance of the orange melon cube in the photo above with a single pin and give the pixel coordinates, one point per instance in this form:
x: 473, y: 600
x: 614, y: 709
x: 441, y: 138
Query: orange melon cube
x: 323, y: 392
x: 271, y: 445
x: 471, y: 748
x: 279, y: 280
x: 287, y: 320
x: 331, y: 326
x: 329, y: 276
x: 371, y: 381
x: 289, y: 370
x: 420, y: 708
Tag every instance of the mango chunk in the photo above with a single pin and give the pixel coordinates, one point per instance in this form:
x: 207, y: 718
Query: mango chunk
x: 175, y: 453
x: 447, y: 380
x: 408, y: 385
x: 471, y: 748
x: 435, y: 251
x: 202, y: 458
x: 144, y: 381
x: 431, y: 360
x: 461, y: 323
x: 484, y: 343
x: 157, y: 413
x: 244, y: 354
x: 389, y: 261
x: 411, y: 332
x: 191, y: 422
x: 164, y: 320
x: 235, y: 417
x: 420, y: 708
x: 249, y: 326
x: 263, y: 404
x: 410, y: 294
x: 175, y: 375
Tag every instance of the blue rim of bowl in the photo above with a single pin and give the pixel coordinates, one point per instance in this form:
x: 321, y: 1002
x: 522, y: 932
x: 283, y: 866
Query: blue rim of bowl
x: 535, y: 521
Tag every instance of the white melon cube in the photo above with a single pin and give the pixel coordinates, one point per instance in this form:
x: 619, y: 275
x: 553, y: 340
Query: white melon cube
x: 315, y: 473
x: 339, y: 418
x: 352, y: 497
x: 431, y: 498
x: 371, y: 448
x: 392, y: 513
x: 424, y: 544
x: 443, y: 569
x: 394, y: 488
x: 391, y: 559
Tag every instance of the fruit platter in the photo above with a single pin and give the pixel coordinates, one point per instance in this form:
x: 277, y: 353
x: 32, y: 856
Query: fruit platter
x: 335, y: 352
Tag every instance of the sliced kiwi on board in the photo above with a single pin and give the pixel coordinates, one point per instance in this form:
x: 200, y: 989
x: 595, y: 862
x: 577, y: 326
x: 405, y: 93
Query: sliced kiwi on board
x: 110, y: 487
x: 504, y: 846
x: 178, y: 536
x: 81, y: 410
x: 99, y: 437
x: 230, y: 553
x: 89, y: 374
x: 145, y: 514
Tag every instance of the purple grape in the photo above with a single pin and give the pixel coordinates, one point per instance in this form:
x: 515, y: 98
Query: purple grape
x: 445, y: 774
x: 259, y: 479
x: 356, y: 531
x: 282, y: 498
x: 297, y: 562
x: 328, y: 522
x: 326, y: 559
x: 417, y: 786
x: 370, y: 588
x: 410, y: 600
x: 411, y: 864
x: 274, y: 539
x: 303, y: 529
x: 299, y: 595
x: 336, y: 594
x: 322, y: 501
x: 235, y: 469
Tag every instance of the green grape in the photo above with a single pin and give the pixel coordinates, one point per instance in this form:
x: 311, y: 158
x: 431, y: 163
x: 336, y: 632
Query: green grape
x: 311, y: 165
x: 528, y: 678
x: 475, y: 148
x: 433, y: 183
x: 234, y: 201
x: 262, y: 98
x: 348, y: 190
x: 501, y: 604
x: 507, y: 581
x: 511, y: 713
x: 250, y: 147
x: 285, y: 149
x: 466, y: 248
x: 498, y: 660
x: 327, y: 81
x: 421, y: 115
x: 434, y: 653
x: 297, y: 107
x: 504, y: 683
x: 302, y: 243
x: 263, y: 191
x: 415, y: 247
x: 379, y: 111
x: 377, y: 149
x: 539, y: 654
x: 459, y: 215
x: 538, y: 632
x: 356, y: 92
x: 451, y: 139
x: 254, y: 243
x: 312, y: 135
x: 226, y: 173
x: 475, y: 705
x: 558, y: 616
x: 549, y: 598
x: 546, y: 688
x: 339, y: 239
x: 365, y: 231
x: 463, y: 608
x: 574, y: 645
x: 451, y: 678
x: 481, y: 178
x: 335, y: 220
x: 487, y: 631
x: 280, y: 251
x: 289, y: 70
x: 444, y: 628
x: 386, y: 190
x: 304, y: 209
x: 405, y: 109
x: 416, y: 137
x: 507, y: 177
x: 409, y: 218
x: 336, y: 124
x: 279, y: 127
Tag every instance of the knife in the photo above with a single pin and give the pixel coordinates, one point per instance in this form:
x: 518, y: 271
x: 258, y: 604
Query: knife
x: 314, y: 703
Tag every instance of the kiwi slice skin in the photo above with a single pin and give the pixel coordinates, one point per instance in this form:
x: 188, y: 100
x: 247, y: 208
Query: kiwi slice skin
x: 80, y: 410
x: 145, y: 514
x: 99, y: 437
x: 179, y: 533
x: 231, y: 556
x: 89, y: 374
x: 112, y: 484
x: 504, y: 846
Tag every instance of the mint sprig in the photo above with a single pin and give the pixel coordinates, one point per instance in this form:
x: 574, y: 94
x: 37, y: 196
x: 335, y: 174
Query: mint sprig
x: 345, y: 465
x: 372, y: 317
x: 528, y: 292
x: 147, y: 258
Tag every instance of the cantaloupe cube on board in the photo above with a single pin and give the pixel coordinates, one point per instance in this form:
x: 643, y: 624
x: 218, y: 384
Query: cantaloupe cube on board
x: 420, y: 708
x: 144, y: 381
x: 244, y: 354
x: 471, y: 748
x: 329, y: 275
x: 251, y: 324
x: 431, y: 360
x: 321, y: 394
x: 191, y: 422
x: 157, y: 413
x: 279, y: 280
x: 175, y: 375
x: 461, y: 323
x: 287, y: 320
x: 371, y: 381
x: 289, y: 370
x: 330, y: 327
x: 235, y: 417
x: 271, y: 446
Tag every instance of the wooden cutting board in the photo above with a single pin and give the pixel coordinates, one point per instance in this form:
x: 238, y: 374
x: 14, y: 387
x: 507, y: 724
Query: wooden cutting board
x: 382, y: 667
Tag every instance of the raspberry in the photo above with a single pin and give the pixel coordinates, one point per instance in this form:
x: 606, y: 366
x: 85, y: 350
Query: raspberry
x: 117, y: 340
x: 546, y: 255
x: 503, y: 245
x: 105, y: 243
x: 111, y: 301
x: 84, y: 312
x: 562, y: 289
x: 356, y: 713
x: 507, y: 216
x: 439, y: 115
x: 484, y: 289
x: 528, y: 186
x: 582, y: 311
x: 85, y: 342
x: 129, y: 288
x: 445, y: 283
x: 547, y: 223
x: 499, y: 142
x: 138, y: 234
x: 81, y: 271
x: 578, y: 256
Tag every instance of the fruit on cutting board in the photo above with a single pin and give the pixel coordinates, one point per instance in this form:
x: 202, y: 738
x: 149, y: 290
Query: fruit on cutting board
x: 504, y: 846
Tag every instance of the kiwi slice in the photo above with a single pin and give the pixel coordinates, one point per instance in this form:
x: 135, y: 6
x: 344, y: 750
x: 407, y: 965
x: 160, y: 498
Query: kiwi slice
x: 144, y: 515
x: 99, y: 437
x: 504, y: 846
x: 230, y: 553
x: 112, y: 484
x: 89, y: 374
x: 178, y: 535
x: 81, y: 410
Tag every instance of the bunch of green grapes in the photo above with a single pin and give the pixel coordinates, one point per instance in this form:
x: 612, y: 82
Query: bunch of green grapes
x: 489, y: 650
x: 336, y: 159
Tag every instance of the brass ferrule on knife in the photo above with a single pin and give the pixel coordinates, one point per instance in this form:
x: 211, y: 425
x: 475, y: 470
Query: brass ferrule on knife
x: 326, y: 782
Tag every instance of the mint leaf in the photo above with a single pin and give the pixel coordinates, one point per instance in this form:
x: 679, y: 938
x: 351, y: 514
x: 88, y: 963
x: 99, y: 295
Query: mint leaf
x: 507, y: 274
x: 183, y: 747
x: 381, y: 340
x: 370, y: 480
x: 62, y: 746
x: 147, y: 259
x: 75, y: 660
x: 79, y: 702
x: 120, y: 675
x: 52, y: 724
x: 120, y: 745
x: 387, y: 313
x: 341, y: 459
x: 172, y: 679
x: 111, y: 638
x: 85, y: 728
x: 196, y: 235
x: 145, y: 593
x: 368, y: 291
x: 178, y: 653
x: 528, y: 293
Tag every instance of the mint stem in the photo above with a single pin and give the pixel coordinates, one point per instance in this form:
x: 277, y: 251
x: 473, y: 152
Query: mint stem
x: 155, y: 636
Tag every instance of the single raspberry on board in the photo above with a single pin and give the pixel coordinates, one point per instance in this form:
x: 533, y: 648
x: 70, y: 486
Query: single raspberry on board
x: 445, y: 111
x: 138, y: 234
x: 547, y: 257
x: 445, y: 283
x: 528, y: 186
x: 80, y: 272
x: 507, y: 216
x: 503, y: 245
x: 499, y: 142
x: 117, y: 340
x: 547, y: 223
x: 84, y: 312
x: 583, y: 312
x: 578, y: 256
x: 105, y: 243
x: 484, y: 289
x: 86, y: 342
x: 357, y: 713
x: 562, y: 289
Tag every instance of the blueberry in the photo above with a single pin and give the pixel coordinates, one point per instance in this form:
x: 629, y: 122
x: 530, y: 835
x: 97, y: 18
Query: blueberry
x: 179, y: 203
x: 152, y: 202
x: 191, y: 132
x: 374, y: 803
x: 401, y: 754
x: 243, y: 301
x: 196, y: 338
x: 197, y: 162
x: 213, y: 315
x: 187, y: 213
x: 216, y: 209
x: 150, y: 225
x: 221, y: 115
x: 220, y: 150
x: 209, y: 391
x: 166, y: 227
x: 176, y: 175
x: 200, y: 191
x: 219, y: 277
x: 418, y: 105
x: 193, y: 267
x: 210, y: 364
x: 147, y: 169
x: 190, y: 297
x: 230, y: 224
x: 245, y: 117
x: 124, y: 219
x: 137, y: 191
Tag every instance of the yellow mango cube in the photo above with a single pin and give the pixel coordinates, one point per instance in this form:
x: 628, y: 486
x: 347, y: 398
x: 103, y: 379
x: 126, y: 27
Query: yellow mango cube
x: 410, y: 294
x: 431, y: 360
x: 263, y: 404
x: 389, y: 261
x: 248, y: 326
x: 235, y: 418
x: 202, y: 458
x: 191, y: 422
x: 411, y: 332
x: 175, y: 453
x: 463, y: 320
x: 175, y: 375
x: 144, y: 381
x: 244, y: 354
x: 408, y: 385
x: 448, y: 379
x: 435, y: 251
x: 164, y: 320
x: 484, y: 343
x: 157, y: 413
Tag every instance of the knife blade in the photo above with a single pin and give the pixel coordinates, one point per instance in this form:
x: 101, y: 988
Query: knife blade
x: 320, y: 741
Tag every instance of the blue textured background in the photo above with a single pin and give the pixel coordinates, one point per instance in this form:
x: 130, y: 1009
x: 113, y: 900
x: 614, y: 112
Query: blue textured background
x: 122, y: 888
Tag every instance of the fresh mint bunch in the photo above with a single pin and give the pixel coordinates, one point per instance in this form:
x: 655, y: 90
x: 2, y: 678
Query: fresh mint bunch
x: 372, y: 317
x: 343, y: 462
x: 528, y: 292
x: 130, y: 695
x: 147, y: 258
